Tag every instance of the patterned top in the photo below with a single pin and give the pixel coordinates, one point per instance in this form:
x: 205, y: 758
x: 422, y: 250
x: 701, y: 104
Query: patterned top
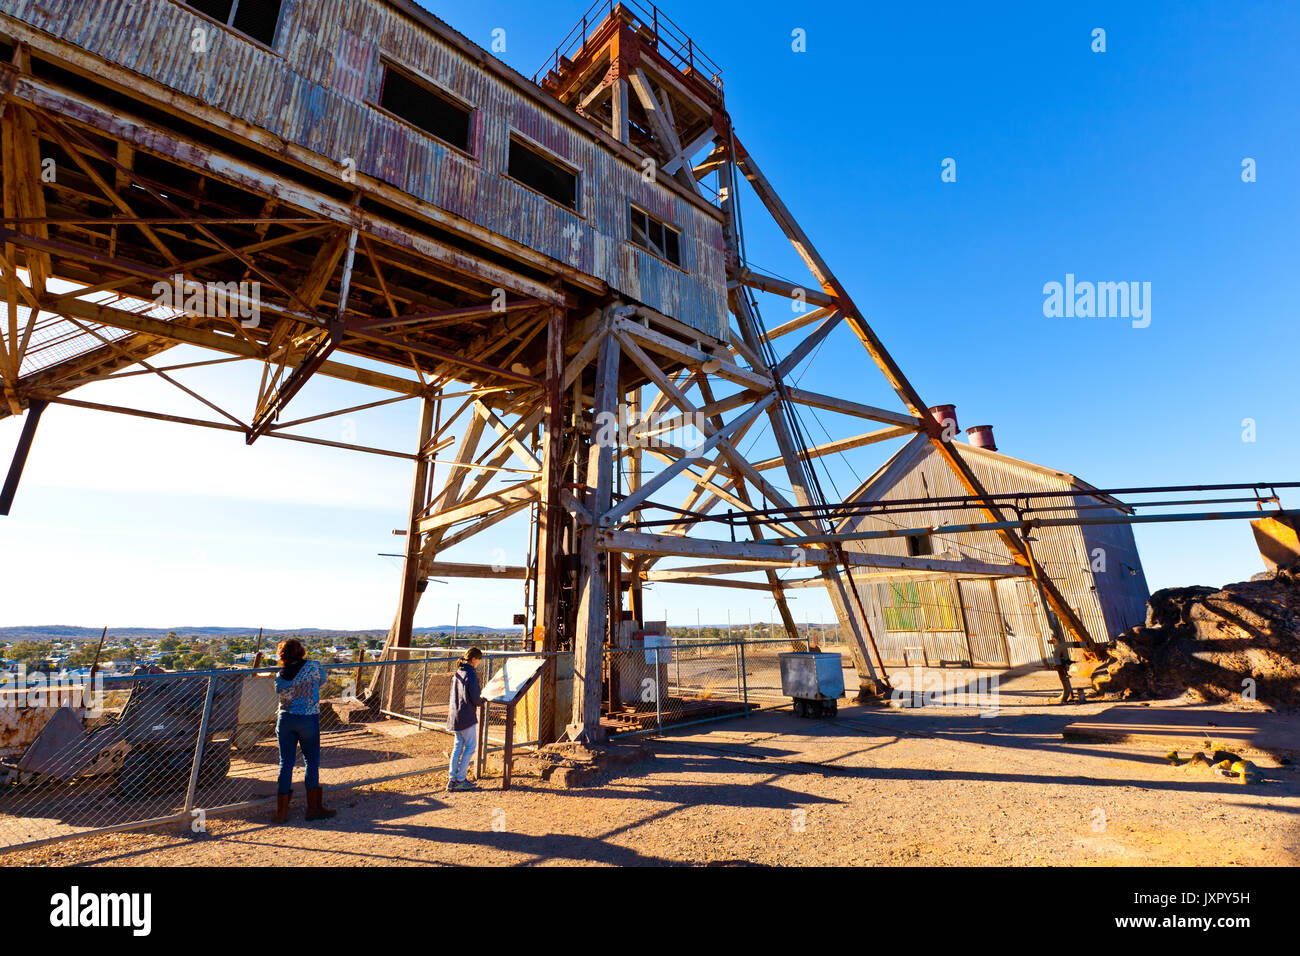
x: 301, y: 696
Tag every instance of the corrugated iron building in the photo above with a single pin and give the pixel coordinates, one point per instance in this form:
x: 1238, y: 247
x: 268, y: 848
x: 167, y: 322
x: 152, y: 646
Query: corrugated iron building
x: 317, y: 83
x: 988, y: 620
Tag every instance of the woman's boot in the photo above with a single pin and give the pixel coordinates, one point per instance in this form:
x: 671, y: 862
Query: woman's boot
x: 282, y: 807
x: 315, y: 809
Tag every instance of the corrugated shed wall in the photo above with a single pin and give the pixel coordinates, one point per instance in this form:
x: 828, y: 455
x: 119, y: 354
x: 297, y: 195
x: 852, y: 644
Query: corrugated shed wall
x: 313, y: 92
x: 1121, y: 582
x: 1064, y: 554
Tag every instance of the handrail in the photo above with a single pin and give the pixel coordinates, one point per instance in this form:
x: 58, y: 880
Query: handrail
x: 667, y: 37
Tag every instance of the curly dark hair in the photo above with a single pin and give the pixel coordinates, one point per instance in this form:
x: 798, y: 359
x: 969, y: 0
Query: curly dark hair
x: 290, y: 650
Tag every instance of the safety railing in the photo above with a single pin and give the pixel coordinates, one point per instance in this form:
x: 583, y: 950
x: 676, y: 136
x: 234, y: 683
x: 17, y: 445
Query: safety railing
x: 126, y: 753
x: 420, y: 690
x: 121, y: 753
x: 689, y: 682
x: 668, y: 39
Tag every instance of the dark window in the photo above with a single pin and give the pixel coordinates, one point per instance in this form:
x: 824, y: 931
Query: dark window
x: 548, y: 177
x: 655, y: 236
x: 919, y: 544
x: 422, y: 106
x: 254, y: 18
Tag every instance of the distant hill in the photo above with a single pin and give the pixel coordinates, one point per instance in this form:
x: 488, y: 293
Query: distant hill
x: 68, y: 632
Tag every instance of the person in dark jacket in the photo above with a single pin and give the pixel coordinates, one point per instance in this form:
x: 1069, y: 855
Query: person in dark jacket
x: 298, y: 686
x: 462, y: 718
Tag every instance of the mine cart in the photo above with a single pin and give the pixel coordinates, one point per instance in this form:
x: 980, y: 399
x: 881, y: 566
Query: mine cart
x: 149, y: 747
x: 815, y: 680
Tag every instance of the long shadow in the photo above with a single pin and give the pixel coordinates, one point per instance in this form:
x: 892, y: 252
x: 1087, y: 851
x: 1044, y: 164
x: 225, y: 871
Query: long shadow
x: 369, y: 820
x: 945, y: 727
x: 720, y: 794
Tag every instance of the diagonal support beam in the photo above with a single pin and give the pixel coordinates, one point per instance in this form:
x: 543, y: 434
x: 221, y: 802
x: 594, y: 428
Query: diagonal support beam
x: 316, y: 356
x: 911, y: 399
x: 34, y: 411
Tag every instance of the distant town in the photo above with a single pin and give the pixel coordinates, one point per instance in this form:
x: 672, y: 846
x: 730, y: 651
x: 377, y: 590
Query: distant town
x: 75, y: 650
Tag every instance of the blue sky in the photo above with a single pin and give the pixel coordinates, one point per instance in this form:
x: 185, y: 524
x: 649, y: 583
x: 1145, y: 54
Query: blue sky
x: 1116, y: 166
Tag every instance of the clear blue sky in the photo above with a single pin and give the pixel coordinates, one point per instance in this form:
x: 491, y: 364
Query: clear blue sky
x: 1115, y: 166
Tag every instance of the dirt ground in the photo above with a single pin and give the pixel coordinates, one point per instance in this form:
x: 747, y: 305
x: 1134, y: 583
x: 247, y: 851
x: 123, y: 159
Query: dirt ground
x: 933, y: 786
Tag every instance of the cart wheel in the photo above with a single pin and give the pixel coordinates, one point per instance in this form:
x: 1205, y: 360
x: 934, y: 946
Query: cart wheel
x: 834, y: 707
x: 800, y: 709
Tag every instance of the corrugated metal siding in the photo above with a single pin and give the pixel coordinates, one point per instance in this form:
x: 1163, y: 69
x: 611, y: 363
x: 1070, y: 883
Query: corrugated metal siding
x: 314, y: 94
x: 983, y: 622
x: 1122, y: 586
x: 1025, y: 624
x: 938, y: 643
x: 1062, y: 553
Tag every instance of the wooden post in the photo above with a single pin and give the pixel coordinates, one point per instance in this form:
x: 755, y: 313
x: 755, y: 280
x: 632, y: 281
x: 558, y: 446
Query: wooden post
x: 589, y: 636
x: 94, y: 668
x: 634, y: 597
x: 393, y: 682
x: 509, y: 754
x: 551, y: 518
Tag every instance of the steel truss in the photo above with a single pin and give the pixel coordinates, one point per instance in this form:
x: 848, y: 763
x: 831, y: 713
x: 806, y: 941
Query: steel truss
x: 522, y: 355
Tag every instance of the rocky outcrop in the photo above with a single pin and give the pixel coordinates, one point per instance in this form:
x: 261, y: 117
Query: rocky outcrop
x: 1239, y: 643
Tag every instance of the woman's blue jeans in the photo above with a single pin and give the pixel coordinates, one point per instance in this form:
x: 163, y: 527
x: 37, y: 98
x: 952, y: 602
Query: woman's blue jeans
x: 462, y: 749
x: 291, y: 732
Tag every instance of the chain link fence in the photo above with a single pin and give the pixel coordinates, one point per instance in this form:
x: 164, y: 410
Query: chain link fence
x: 690, y: 682
x: 129, y: 752
x: 123, y: 753
x: 419, y: 688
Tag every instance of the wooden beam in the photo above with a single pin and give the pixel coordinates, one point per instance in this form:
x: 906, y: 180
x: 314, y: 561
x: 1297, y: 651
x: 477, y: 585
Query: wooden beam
x: 507, y: 497
x: 806, y: 347
x: 449, y: 569
x: 229, y: 344
x: 832, y: 404
x: 842, y: 445
x: 690, y: 355
x: 781, y: 287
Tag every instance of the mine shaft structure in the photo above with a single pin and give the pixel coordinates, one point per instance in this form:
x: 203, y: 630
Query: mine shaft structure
x: 527, y: 260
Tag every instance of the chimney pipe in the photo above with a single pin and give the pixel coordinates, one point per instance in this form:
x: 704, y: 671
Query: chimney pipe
x: 945, y: 415
x: 981, y: 436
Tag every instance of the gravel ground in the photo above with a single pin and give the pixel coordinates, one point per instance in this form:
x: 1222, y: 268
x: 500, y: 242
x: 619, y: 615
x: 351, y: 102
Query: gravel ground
x: 936, y: 786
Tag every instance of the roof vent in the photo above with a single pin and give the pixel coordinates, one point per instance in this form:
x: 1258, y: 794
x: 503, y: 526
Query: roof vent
x: 946, y: 416
x: 981, y: 436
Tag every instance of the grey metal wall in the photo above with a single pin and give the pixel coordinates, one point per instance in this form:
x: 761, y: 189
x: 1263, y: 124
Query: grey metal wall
x: 317, y: 87
x: 1121, y: 583
x: 1103, y: 602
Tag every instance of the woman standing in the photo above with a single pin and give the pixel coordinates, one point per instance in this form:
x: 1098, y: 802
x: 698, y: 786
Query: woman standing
x: 298, y: 726
x: 462, y: 718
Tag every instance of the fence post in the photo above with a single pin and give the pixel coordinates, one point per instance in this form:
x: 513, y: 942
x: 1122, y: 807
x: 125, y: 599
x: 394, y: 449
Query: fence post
x: 659, y: 720
x: 744, y: 679
x: 198, y: 750
x: 424, y: 686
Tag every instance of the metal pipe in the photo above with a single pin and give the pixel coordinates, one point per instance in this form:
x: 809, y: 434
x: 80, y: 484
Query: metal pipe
x: 1034, y: 523
x: 957, y: 502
